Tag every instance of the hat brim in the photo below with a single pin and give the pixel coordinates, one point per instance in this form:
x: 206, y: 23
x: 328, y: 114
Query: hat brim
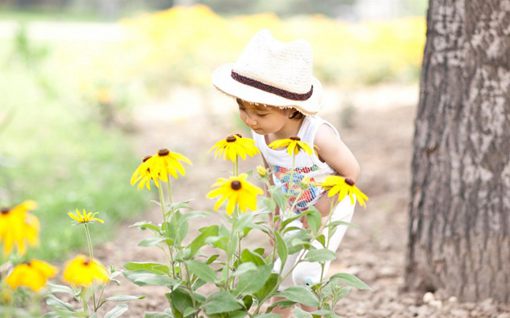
x: 224, y: 82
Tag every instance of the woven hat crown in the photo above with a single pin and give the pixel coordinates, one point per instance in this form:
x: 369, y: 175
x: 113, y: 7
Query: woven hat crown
x: 287, y: 66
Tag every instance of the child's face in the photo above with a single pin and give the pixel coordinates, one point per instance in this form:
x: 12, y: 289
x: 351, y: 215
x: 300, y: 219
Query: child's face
x: 262, y: 119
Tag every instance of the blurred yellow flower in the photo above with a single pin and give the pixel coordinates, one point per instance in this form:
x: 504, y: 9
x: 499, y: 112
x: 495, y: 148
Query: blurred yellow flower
x: 235, y: 146
x: 82, y: 271
x: 236, y: 191
x: 19, y: 228
x: 343, y: 187
x: 33, y: 275
x: 84, y: 216
x: 293, y: 144
x: 143, y: 176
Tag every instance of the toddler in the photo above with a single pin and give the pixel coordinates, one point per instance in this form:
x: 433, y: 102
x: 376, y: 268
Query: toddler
x: 278, y: 98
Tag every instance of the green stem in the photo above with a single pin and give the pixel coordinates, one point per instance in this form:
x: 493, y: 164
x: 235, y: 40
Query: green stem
x: 328, y: 237
x: 291, y: 181
x: 236, y: 166
x: 162, y: 201
x: 89, y: 240
x: 170, y: 196
x: 84, y: 301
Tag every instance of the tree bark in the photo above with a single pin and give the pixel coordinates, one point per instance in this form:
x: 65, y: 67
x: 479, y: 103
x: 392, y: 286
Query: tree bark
x: 459, y: 214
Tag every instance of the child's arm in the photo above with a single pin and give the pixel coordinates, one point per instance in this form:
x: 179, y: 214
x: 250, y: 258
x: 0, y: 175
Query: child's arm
x: 335, y: 153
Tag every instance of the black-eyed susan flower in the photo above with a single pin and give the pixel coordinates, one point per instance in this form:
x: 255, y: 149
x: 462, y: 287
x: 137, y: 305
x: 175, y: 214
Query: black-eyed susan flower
x: 142, y: 175
x: 336, y: 185
x: 158, y: 167
x: 233, y: 147
x: 33, y: 275
x: 237, y: 191
x: 83, y: 271
x: 84, y: 216
x: 166, y: 163
x: 293, y: 144
x: 19, y: 228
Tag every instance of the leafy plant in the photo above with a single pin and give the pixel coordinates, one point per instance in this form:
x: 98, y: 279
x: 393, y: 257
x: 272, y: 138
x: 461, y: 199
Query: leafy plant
x: 214, y: 273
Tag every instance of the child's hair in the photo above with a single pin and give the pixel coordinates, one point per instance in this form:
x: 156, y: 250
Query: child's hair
x: 296, y: 114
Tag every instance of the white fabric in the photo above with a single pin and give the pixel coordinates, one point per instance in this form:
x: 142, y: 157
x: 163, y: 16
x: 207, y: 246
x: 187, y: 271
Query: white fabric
x: 306, y: 165
x: 306, y: 273
x: 286, y: 66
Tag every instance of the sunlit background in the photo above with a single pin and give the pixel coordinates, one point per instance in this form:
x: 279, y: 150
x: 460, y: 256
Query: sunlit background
x: 76, y: 75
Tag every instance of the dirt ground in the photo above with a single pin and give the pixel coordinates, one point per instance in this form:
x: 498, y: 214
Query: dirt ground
x: 379, y: 130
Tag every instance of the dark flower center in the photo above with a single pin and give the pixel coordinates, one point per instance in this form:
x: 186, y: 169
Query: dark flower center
x: 349, y: 181
x: 146, y: 158
x: 29, y: 264
x: 5, y: 210
x: 239, y: 135
x: 235, y: 185
x: 231, y: 139
x: 163, y: 152
x: 295, y: 138
x: 86, y: 262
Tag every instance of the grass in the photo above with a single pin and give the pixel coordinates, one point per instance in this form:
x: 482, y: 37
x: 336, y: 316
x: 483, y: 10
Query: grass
x: 53, y: 151
x: 29, y: 15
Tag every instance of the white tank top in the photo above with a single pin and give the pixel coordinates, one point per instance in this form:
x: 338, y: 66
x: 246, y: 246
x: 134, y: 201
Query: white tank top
x: 305, y: 165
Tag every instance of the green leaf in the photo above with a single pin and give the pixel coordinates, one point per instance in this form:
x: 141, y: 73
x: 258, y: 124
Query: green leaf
x: 150, y: 279
x: 150, y: 267
x: 143, y: 225
x: 300, y: 313
x: 281, y: 248
x: 53, y: 301
x: 278, y: 197
x: 249, y: 256
x: 350, y: 280
x: 119, y: 298
x: 180, y: 300
x: 212, y: 258
x: 56, y: 288
x: 320, y: 255
x: 221, y: 302
x: 300, y: 294
x: 270, y: 315
x: 247, y: 284
x: 313, y: 218
x: 116, y: 311
x: 322, y: 239
x: 200, y: 240
x: 245, y: 267
x: 157, y: 315
x: 244, y: 220
x: 269, y: 286
x: 151, y: 241
x: 201, y: 270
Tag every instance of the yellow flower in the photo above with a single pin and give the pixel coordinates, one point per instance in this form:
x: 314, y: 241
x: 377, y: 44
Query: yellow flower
x: 19, y: 228
x: 235, y: 146
x: 84, y: 216
x: 158, y: 167
x: 82, y: 271
x: 33, y: 274
x: 143, y: 176
x: 343, y: 187
x: 237, y: 191
x: 293, y: 144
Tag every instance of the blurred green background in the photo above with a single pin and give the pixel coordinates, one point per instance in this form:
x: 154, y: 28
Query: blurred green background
x: 74, y: 72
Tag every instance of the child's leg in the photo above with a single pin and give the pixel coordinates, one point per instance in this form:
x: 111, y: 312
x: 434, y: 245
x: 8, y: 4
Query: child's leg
x: 307, y: 273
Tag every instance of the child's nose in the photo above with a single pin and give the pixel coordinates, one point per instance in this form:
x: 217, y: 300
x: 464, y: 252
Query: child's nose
x: 250, y: 122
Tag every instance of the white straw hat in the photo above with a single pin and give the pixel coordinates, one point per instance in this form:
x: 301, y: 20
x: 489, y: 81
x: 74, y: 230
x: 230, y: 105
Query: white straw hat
x: 273, y: 73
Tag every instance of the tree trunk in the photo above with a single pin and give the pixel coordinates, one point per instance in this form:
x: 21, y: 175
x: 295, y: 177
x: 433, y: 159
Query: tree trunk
x: 459, y: 215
